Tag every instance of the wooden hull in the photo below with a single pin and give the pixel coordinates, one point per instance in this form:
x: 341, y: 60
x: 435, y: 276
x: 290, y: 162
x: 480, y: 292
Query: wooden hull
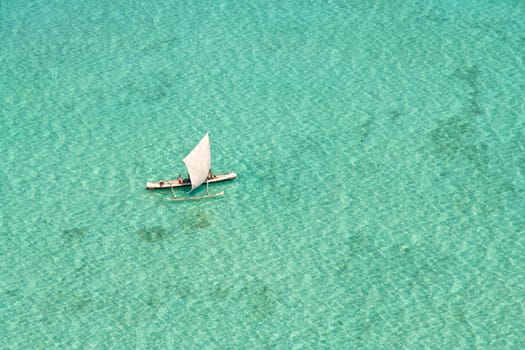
x: 166, y: 184
x: 195, y: 197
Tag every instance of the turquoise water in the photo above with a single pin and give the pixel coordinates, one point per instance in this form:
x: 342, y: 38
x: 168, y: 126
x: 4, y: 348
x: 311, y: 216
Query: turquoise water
x: 380, y: 147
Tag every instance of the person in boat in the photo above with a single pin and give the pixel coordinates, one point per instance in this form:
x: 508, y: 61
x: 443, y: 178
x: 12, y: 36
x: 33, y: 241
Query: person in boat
x: 211, y: 175
x: 179, y: 179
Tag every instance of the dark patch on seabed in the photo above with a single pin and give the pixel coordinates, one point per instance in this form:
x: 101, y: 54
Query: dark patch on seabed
x: 436, y: 14
x: 152, y: 234
x: 455, y: 137
x: 182, y: 288
x: 471, y: 77
x: 64, y: 302
x: 356, y: 245
x: 221, y: 292
x: 71, y: 293
x: 196, y: 220
x: 258, y: 299
x: 365, y: 128
x: 451, y: 135
x: 155, y: 294
x: 72, y: 237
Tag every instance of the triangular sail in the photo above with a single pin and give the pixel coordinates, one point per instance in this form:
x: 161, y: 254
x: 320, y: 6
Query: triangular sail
x: 198, y: 162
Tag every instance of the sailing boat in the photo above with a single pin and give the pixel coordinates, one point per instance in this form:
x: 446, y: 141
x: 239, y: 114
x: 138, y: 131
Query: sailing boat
x: 198, y: 164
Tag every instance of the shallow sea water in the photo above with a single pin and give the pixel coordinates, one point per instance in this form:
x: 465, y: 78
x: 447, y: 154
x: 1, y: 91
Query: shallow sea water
x: 380, y: 147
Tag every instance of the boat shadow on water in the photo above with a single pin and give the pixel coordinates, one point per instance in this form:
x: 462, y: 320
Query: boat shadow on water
x: 193, y: 222
x: 152, y: 234
x: 73, y: 236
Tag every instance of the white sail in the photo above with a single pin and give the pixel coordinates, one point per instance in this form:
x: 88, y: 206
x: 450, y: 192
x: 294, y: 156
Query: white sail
x: 198, y: 162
